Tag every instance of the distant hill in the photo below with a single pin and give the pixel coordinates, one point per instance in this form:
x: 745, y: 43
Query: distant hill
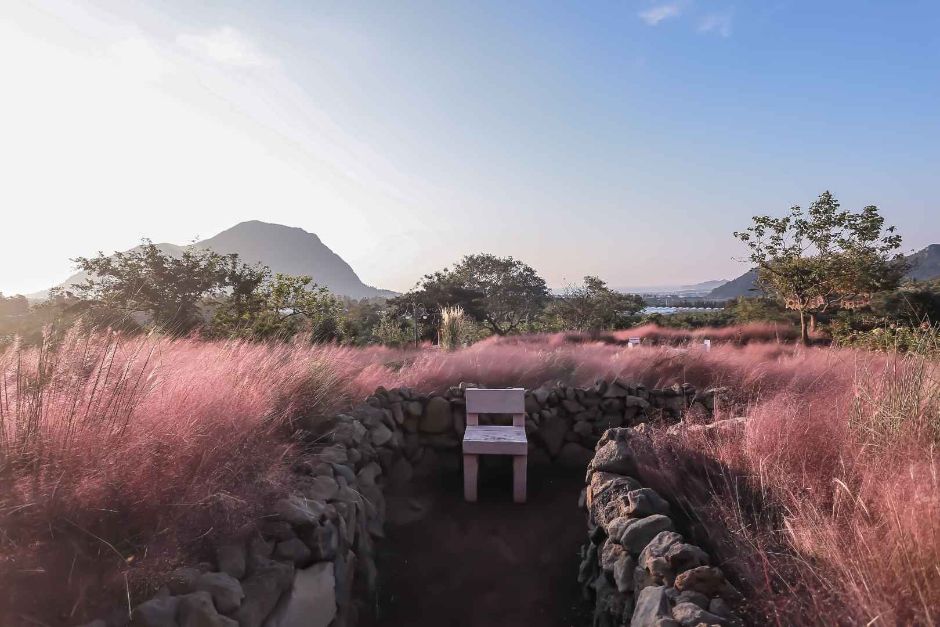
x: 284, y: 249
x: 925, y: 266
x: 697, y: 289
x: 744, y: 285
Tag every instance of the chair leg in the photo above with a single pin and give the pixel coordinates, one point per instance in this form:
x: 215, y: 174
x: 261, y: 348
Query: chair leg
x: 470, y: 468
x: 519, y: 463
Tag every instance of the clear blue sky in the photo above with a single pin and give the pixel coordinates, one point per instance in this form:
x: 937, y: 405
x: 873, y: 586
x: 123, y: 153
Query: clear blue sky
x: 624, y: 139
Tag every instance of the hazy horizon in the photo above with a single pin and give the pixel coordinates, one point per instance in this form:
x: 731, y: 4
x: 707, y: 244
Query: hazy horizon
x: 627, y: 140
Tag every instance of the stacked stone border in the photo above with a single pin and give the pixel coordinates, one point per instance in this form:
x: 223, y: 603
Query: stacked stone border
x: 636, y: 568
x: 311, y: 562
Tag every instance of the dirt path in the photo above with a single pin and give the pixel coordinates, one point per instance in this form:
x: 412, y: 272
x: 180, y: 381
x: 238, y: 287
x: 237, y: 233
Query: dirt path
x: 488, y: 563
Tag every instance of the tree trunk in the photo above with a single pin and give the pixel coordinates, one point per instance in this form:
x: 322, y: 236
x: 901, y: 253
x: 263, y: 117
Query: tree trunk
x: 812, y: 322
x: 804, y: 332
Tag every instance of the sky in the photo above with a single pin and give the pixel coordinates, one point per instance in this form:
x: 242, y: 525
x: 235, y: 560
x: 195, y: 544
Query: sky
x: 625, y: 139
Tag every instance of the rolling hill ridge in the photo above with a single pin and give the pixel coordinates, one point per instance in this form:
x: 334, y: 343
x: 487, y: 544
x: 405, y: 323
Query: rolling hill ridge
x: 284, y: 249
x: 924, y: 266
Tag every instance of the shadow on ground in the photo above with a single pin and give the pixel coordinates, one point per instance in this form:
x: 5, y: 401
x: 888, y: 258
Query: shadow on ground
x: 445, y: 561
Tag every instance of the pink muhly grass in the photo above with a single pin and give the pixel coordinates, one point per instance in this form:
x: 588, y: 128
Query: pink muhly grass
x: 143, y: 446
x: 825, y: 509
x: 654, y: 334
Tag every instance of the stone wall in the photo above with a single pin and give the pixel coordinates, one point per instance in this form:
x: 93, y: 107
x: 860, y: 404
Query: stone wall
x: 563, y: 423
x: 308, y: 562
x: 311, y: 561
x: 636, y: 568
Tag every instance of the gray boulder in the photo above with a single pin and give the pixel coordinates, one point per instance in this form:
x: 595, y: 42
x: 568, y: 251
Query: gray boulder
x: 231, y: 559
x: 322, y: 540
x: 321, y: 488
x: 398, y: 413
x: 653, y: 557
x: 684, y: 556
x: 259, y: 553
x: 197, y: 610
x: 719, y: 607
x: 583, y: 428
x: 381, y: 435
x: 623, y: 572
x: 691, y: 596
x: 651, y: 606
x: 225, y: 590
x: 645, y: 502
x: 276, y: 530
x: 183, y: 580
x: 312, y: 601
x: 708, y: 580
x: 369, y: 416
x: 158, y: 612
x: 610, y: 553
x: 294, y: 551
x: 615, y: 390
x: 369, y: 474
x: 437, y: 417
x: 690, y: 615
x: 588, y: 563
x: 299, y: 511
x: 614, y: 456
x: 639, y: 532
x: 349, y: 433
x: 335, y: 454
x: 262, y: 591
x: 541, y: 395
x: 608, y: 602
x: 605, y: 494
x: 572, y: 407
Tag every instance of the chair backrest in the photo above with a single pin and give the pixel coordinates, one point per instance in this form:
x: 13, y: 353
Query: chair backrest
x: 502, y: 401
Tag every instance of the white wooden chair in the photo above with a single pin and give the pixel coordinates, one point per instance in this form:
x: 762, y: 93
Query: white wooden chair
x: 495, y: 440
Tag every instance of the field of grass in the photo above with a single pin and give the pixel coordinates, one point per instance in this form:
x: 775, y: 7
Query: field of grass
x: 119, y: 457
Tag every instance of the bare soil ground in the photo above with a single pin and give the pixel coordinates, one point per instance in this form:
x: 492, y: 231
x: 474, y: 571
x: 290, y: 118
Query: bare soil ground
x: 493, y: 562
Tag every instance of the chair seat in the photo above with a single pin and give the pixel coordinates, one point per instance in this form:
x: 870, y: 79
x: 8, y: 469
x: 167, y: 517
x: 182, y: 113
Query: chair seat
x: 494, y: 440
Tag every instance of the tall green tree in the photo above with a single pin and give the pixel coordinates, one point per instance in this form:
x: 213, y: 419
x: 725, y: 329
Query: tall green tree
x: 168, y: 289
x: 501, y: 293
x: 824, y: 257
x: 280, y: 307
x: 595, y: 307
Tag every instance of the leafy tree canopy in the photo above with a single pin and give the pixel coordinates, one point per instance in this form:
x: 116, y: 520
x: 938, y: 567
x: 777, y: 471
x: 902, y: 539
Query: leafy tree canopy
x: 280, y: 307
x: 169, y: 289
x: 501, y: 293
x: 824, y: 257
x: 595, y: 307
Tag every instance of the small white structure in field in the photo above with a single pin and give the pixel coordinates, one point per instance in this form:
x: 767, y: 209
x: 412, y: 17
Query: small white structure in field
x: 634, y: 341
x: 708, y: 345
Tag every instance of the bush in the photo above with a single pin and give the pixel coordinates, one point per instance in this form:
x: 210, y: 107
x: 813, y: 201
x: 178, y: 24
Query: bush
x: 452, y: 328
x: 924, y: 340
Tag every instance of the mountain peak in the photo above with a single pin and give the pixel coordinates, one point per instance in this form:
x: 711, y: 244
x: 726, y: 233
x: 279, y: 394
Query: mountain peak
x: 925, y: 263
x: 268, y: 229
x: 283, y: 249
